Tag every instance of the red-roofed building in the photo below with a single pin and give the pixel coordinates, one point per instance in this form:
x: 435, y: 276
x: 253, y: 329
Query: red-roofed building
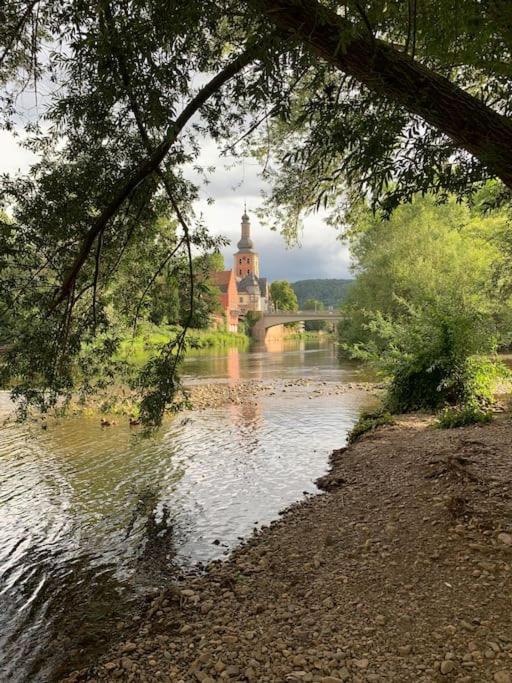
x: 242, y: 289
x: 226, y: 282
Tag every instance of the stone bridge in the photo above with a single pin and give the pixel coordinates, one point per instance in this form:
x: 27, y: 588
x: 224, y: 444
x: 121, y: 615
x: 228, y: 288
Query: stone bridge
x: 274, y: 318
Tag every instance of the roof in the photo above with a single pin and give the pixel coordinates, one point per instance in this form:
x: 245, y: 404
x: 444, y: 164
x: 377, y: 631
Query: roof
x: 253, y: 281
x: 221, y: 279
x: 245, y: 244
x: 246, y: 282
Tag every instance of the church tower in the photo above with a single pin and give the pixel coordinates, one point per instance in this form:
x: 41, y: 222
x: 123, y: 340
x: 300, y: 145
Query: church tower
x: 247, y: 261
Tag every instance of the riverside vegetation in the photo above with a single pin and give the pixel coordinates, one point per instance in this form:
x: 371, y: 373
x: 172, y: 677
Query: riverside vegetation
x: 431, y: 314
x: 396, y: 118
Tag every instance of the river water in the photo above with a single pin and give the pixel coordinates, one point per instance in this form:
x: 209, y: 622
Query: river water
x: 92, y: 517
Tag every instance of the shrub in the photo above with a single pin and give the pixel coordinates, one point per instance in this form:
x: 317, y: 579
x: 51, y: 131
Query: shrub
x: 435, y: 355
x: 451, y: 418
x: 368, y: 421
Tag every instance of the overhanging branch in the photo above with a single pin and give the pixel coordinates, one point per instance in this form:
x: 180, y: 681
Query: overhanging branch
x: 382, y: 68
x: 149, y: 166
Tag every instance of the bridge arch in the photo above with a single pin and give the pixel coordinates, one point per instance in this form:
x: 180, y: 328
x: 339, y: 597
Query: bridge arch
x: 274, y: 318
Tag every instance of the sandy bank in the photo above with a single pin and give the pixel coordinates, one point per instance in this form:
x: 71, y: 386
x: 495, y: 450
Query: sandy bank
x: 401, y: 572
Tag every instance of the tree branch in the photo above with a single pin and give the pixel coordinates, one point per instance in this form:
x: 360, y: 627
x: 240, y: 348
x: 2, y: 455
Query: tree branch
x: 470, y: 124
x: 149, y: 166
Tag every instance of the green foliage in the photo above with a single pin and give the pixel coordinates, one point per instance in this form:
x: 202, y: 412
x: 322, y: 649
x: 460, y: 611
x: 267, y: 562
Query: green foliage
x: 283, y: 297
x: 330, y: 292
x: 368, y: 421
x: 423, y: 308
x: 119, y: 87
x: 451, y: 418
x: 250, y: 319
x: 138, y: 350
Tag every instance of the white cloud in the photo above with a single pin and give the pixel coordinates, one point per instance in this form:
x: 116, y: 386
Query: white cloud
x: 235, y: 181
x: 13, y: 157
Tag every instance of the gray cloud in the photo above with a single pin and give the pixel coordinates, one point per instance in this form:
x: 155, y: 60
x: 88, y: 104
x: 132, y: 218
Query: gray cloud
x: 321, y: 254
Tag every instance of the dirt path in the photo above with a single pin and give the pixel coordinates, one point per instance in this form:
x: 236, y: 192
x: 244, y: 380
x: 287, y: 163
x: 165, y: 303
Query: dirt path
x: 401, y: 572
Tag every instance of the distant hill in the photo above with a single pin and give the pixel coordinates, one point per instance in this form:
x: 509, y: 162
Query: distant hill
x: 329, y: 292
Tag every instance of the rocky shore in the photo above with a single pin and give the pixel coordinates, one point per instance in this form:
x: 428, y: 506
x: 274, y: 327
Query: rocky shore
x: 212, y: 395
x: 402, y: 571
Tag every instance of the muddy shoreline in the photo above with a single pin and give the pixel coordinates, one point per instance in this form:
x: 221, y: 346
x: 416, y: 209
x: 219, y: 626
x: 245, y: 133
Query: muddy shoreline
x: 401, y: 572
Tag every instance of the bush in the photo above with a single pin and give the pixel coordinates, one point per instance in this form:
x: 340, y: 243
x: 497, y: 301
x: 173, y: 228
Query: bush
x: 451, y: 418
x: 368, y: 421
x: 435, y: 355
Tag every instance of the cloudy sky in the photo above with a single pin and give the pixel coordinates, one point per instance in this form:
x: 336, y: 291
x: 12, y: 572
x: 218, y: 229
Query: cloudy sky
x: 321, y: 255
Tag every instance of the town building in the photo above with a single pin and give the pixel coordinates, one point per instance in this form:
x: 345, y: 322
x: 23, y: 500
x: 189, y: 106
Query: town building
x: 242, y: 289
x: 225, y: 281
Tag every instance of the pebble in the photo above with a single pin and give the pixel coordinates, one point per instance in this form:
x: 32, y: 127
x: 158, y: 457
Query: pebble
x: 502, y: 677
x: 361, y: 663
x: 504, y: 538
x: 129, y: 647
x: 446, y: 666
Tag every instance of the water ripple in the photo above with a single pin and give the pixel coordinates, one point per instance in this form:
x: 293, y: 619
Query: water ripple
x: 89, y: 515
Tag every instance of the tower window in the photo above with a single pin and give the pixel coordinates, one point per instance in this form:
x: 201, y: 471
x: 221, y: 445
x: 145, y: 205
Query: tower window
x: 240, y: 260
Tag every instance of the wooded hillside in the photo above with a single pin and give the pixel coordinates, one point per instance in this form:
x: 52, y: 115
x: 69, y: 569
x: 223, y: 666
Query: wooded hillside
x: 330, y: 292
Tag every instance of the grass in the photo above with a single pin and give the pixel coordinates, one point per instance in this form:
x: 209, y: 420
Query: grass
x: 137, y: 350
x: 368, y: 421
x: 451, y: 418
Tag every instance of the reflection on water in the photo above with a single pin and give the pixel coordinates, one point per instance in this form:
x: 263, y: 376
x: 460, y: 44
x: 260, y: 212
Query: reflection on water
x: 93, y: 516
x: 285, y: 358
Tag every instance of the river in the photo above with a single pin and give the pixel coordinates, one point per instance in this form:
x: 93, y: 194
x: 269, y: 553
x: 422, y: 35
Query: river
x: 92, y: 518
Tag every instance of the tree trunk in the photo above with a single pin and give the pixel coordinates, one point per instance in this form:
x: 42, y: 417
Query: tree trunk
x: 382, y: 68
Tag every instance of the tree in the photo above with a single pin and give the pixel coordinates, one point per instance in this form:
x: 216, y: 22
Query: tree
x: 206, y: 297
x: 283, y: 297
x: 314, y: 325
x: 380, y: 99
x: 425, y: 310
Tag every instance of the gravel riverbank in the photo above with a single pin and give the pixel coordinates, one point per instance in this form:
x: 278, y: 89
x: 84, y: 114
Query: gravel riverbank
x: 402, y: 571
x: 212, y: 395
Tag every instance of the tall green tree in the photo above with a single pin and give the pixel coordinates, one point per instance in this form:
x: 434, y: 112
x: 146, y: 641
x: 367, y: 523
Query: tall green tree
x: 424, y: 309
x: 283, y: 297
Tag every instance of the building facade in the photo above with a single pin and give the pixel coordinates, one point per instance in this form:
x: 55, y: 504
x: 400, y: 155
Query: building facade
x: 225, y: 281
x: 242, y: 289
x: 253, y: 290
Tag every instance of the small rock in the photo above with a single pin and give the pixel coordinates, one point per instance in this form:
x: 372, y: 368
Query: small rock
x: 447, y: 666
x: 506, y: 539
x: 361, y: 663
x: 502, y: 677
x: 126, y: 663
x: 129, y: 647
